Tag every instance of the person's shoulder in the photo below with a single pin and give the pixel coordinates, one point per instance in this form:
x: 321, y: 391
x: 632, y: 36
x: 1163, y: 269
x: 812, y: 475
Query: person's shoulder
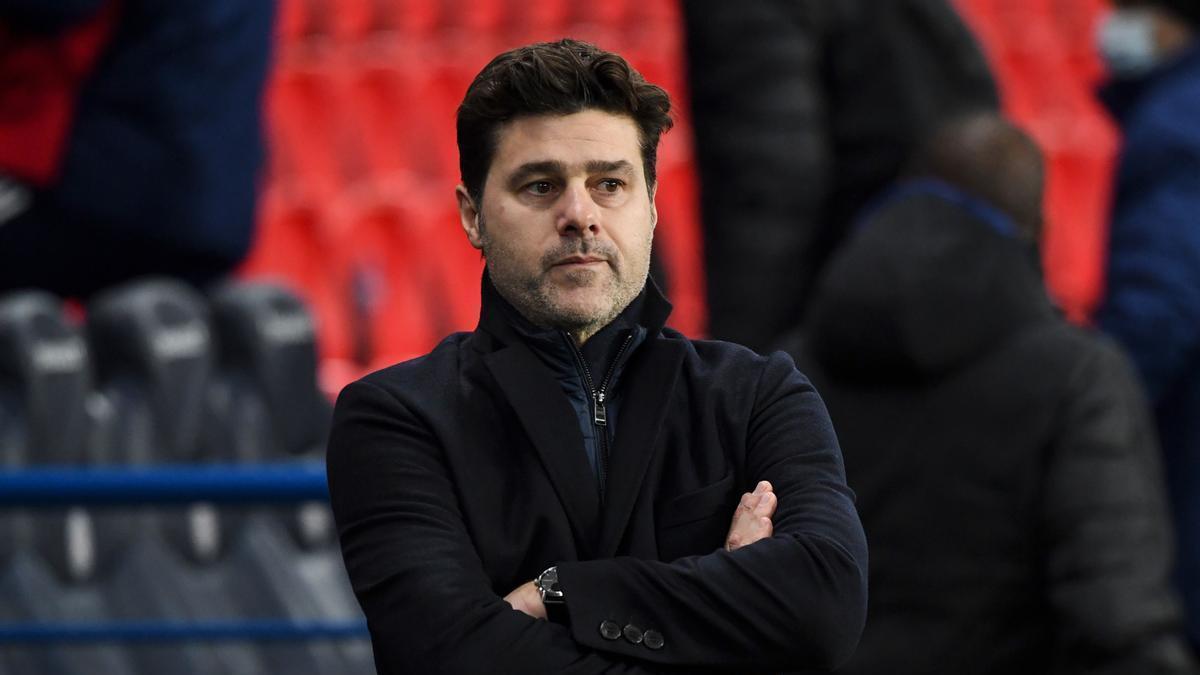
x: 1080, y: 358
x: 419, y: 374
x: 731, y: 360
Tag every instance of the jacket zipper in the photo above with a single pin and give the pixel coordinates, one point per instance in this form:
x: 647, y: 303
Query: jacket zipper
x: 599, y: 408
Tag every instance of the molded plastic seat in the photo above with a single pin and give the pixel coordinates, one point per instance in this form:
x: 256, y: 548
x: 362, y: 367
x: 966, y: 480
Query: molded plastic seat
x: 267, y: 340
x: 284, y: 560
x: 48, y: 571
x: 44, y: 382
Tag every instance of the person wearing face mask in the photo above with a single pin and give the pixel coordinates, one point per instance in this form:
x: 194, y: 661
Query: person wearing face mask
x: 1152, y: 300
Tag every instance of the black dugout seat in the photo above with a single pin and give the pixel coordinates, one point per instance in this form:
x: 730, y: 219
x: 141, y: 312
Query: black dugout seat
x: 154, y: 358
x: 275, y: 411
x: 49, y: 575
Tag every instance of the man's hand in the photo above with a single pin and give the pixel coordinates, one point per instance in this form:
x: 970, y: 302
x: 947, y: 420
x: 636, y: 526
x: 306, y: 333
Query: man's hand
x: 751, y: 522
x: 528, y: 599
x: 752, y: 517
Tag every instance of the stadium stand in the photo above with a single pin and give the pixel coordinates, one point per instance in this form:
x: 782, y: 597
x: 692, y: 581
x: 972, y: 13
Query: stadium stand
x: 179, y: 380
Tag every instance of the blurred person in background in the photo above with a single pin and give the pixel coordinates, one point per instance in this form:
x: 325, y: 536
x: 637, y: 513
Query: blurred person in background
x: 802, y: 112
x: 1005, y: 463
x: 130, y: 139
x: 1152, y: 297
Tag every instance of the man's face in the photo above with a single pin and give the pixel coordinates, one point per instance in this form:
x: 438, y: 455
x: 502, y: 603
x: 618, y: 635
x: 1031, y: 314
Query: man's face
x: 566, y: 219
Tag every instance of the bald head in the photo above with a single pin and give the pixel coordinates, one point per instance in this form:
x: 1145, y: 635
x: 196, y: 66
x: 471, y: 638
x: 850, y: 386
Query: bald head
x: 986, y: 156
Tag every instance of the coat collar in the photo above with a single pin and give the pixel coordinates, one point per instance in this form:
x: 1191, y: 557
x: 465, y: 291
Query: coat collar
x: 551, y: 425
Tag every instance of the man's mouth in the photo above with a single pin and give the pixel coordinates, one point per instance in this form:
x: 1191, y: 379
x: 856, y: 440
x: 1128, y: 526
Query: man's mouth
x: 579, y: 260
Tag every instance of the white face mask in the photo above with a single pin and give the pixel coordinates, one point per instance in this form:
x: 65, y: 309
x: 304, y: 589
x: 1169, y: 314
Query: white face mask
x: 1126, y: 41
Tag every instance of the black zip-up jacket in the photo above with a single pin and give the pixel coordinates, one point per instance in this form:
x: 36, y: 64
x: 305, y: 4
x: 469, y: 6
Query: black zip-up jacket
x: 588, y: 375
x: 458, y: 476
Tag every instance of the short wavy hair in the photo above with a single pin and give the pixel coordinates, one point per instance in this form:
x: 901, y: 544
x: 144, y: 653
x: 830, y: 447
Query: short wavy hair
x: 554, y: 78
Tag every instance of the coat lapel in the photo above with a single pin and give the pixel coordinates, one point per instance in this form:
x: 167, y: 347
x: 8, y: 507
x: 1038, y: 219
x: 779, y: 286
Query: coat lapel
x: 649, y: 381
x: 552, y: 426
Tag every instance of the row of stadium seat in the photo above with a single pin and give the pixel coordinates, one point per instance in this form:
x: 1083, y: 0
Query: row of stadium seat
x: 159, y: 375
x: 357, y: 20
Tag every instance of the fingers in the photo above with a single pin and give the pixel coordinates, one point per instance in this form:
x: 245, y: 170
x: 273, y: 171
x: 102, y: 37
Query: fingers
x: 752, y: 517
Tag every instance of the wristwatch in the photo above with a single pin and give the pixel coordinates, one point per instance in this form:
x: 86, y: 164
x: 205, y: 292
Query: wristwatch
x: 552, y: 596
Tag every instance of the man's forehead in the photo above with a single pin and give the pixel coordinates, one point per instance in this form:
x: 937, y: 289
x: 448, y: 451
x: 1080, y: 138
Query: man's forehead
x: 581, y: 141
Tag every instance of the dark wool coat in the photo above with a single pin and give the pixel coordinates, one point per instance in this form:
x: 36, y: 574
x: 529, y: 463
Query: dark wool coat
x: 1005, y: 463
x: 460, y: 475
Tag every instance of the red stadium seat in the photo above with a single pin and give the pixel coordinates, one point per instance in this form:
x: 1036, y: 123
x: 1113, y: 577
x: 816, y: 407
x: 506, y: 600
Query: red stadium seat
x: 291, y: 246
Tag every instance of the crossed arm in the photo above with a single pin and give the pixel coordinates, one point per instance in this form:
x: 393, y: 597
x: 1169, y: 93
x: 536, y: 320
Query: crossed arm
x: 793, y: 599
x: 751, y: 522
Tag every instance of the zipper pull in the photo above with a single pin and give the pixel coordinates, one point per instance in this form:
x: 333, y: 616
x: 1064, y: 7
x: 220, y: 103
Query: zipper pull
x: 601, y: 417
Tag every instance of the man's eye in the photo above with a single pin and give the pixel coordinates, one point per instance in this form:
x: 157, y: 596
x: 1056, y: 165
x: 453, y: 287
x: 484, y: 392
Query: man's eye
x: 611, y: 185
x: 541, y: 187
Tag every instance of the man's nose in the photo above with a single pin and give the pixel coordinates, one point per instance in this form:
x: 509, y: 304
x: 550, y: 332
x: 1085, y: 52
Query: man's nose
x: 578, y: 212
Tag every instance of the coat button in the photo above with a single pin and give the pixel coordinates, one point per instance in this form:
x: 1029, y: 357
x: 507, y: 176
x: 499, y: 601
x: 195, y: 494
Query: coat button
x: 653, y: 639
x: 610, y: 630
x: 632, y: 633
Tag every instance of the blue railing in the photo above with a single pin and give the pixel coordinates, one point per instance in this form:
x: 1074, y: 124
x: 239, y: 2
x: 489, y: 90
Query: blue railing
x: 179, y: 484
x: 49, y: 487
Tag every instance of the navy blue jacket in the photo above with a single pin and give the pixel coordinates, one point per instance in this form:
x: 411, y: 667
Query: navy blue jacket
x: 460, y: 475
x: 167, y: 139
x: 1152, y: 302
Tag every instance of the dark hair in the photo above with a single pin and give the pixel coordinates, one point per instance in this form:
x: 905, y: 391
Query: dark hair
x: 989, y: 157
x: 554, y: 78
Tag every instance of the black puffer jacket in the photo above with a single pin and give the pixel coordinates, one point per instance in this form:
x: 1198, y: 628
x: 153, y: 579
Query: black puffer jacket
x: 1005, y: 467
x: 802, y: 110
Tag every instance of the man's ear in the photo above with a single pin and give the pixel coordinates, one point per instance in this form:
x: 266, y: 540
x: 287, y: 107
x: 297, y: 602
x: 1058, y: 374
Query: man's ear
x: 653, y: 190
x: 468, y: 216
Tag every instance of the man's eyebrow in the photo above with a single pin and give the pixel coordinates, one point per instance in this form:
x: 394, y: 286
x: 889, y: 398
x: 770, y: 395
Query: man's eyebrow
x: 606, y: 166
x: 530, y: 169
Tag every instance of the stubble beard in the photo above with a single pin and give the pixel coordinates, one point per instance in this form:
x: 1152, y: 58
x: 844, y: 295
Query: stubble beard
x: 536, y: 297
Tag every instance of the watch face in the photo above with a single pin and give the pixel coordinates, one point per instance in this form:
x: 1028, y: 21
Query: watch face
x: 548, y: 582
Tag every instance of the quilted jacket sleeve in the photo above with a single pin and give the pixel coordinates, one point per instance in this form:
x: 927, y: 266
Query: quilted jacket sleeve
x: 1107, y: 532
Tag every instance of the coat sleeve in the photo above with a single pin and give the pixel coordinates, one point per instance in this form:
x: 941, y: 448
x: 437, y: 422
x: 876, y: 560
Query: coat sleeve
x: 796, y: 600
x: 1107, y: 533
x: 414, y: 569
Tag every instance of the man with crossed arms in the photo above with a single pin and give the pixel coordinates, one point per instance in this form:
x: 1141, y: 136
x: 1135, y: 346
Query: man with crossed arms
x: 552, y: 492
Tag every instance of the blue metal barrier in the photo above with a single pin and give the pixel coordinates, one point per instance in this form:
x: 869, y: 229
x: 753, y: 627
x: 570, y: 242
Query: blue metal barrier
x: 260, y: 630
x: 171, y: 484
x: 175, y: 484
